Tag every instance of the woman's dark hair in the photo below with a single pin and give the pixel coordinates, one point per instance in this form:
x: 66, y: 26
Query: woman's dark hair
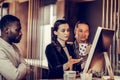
x: 7, y: 20
x: 56, y: 26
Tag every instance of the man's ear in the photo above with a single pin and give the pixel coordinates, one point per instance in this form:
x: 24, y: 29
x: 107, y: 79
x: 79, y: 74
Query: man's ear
x: 76, y: 33
x: 55, y: 32
x: 6, y: 30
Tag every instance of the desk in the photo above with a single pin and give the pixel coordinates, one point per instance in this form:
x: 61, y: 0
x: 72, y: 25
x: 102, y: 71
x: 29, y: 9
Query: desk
x: 104, y: 78
x: 92, y: 79
x: 38, y: 63
x: 115, y: 77
x: 78, y: 79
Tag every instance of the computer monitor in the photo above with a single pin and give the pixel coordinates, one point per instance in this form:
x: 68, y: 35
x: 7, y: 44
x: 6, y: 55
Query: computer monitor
x: 101, y: 43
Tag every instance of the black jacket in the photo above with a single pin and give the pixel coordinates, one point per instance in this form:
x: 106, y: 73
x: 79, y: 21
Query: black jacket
x: 57, y: 57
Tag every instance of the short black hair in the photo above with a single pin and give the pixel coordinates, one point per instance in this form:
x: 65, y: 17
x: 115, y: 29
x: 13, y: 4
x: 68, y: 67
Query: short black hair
x: 81, y: 22
x: 7, y: 20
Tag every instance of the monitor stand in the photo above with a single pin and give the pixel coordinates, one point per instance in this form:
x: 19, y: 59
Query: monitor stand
x: 108, y: 65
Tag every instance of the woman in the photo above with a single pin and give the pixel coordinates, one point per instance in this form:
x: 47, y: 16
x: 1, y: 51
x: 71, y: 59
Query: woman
x: 60, y: 54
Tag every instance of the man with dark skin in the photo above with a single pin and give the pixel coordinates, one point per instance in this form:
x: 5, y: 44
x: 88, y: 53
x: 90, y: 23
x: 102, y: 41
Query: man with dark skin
x: 12, y: 64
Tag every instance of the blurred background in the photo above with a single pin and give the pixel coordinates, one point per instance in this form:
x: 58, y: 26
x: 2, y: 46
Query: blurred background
x: 37, y: 18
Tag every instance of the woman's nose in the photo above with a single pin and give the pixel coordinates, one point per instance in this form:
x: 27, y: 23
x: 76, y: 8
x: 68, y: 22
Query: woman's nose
x: 65, y: 32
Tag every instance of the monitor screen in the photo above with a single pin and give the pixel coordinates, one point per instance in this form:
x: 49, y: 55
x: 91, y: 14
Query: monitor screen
x: 101, y: 43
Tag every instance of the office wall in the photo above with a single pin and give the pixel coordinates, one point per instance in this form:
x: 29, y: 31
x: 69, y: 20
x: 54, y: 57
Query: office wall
x: 92, y: 14
x: 21, y: 11
x: 90, y: 11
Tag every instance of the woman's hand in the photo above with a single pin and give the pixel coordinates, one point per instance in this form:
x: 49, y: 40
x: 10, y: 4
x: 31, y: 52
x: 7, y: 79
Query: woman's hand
x: 70, y: 62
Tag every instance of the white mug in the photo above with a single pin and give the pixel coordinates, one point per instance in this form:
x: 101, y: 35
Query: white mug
x: 69, y: 75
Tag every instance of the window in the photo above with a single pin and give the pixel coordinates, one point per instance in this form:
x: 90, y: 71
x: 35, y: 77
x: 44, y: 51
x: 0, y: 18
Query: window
x: 45, y: 30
